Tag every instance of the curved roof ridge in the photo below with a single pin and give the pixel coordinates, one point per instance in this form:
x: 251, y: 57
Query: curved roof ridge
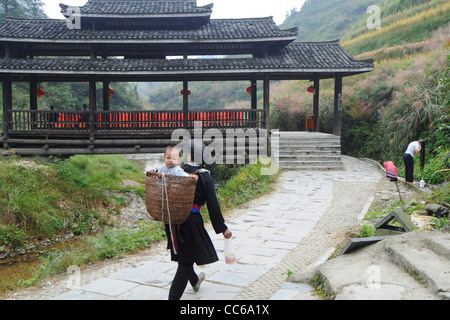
x: 335, y: 41
x: 245, y: 19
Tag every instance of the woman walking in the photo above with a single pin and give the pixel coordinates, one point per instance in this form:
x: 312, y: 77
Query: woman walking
x: 191, y: 242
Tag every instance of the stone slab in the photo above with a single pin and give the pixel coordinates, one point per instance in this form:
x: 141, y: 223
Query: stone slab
x: 109, y: 287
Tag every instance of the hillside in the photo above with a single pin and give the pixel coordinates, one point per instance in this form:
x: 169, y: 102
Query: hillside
x: 413, y: 24
x: 403, y: 99
x: 401, y: 21
x: 321, y: 20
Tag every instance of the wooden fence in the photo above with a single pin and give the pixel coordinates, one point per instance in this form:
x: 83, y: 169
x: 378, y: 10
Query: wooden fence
x: 37, y: 121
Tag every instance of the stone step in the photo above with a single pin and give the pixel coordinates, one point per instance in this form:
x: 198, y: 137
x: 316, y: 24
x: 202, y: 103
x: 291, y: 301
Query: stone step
x: 427, y: 260
x: 368, y: 274
x: 311, y: 157
x: 309, y: 151
x: 303, y: 148
x: 318, y: 139
x: 390, y: 269
x: 312, y: 168
x: 314, y: 141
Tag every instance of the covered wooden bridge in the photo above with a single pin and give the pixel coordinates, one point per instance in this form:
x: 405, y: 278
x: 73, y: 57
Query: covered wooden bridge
x: 134, y: 41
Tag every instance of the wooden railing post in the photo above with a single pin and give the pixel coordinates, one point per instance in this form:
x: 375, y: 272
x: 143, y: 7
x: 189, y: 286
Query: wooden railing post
x: 267, y: 102
x: 7, y: 105
x: 92, y: 105
x: 185, y: 104
x: 337, y: 118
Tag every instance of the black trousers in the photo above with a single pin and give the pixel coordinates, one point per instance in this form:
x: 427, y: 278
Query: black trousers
x: 409, y: 167
x: 185, y: 273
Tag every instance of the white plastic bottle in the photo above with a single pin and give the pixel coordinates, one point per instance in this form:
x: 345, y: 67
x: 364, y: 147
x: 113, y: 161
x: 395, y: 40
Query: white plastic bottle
x: 230, y: 255
x: 422, y: 183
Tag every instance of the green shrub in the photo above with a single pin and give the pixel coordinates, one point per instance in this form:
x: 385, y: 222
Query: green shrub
x: 12, y: 236
x: 433, y: 165
x: 366, y: 231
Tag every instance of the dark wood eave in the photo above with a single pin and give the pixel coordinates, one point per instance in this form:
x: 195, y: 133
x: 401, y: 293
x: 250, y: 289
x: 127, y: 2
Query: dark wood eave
x: 109, y: 15
x: 219, y: 37
x: 295, y: 61
x: 139, y: 9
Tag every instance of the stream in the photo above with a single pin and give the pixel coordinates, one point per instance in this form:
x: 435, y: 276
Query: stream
x: 20, y: 264
x: 147, y: 161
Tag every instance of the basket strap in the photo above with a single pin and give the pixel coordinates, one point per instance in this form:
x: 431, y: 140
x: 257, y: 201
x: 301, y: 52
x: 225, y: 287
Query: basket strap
x: 164, y: 190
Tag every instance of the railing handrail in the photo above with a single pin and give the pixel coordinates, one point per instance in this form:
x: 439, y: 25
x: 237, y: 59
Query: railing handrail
x: 134, y: 111
x: 107, y: 121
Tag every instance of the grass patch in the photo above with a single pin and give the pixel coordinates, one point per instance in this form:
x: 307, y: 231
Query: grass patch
x: 246, y: 184
x: 113, y: 243
x: 47, y: 199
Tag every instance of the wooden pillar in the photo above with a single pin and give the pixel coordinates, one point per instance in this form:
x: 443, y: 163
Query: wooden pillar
x: 92, y: 53
x: 254, y: 94
x: 185, y: 104
x: 106, y: 95
x: 7, y: 51
x: 7, y: 104
x: 92, y: 105
x: 33, y: 94
x: 266, y: 98
x: 33, y: 102
x: 316, y: 104
x: 337, y: 119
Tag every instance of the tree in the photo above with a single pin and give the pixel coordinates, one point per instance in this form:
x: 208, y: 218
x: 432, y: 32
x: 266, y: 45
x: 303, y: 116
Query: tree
x: 22, y: 9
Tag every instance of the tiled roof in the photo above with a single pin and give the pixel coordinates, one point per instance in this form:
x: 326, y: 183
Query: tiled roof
x: 141, y: 8
x: 220, y: 29
x: 296, y: 57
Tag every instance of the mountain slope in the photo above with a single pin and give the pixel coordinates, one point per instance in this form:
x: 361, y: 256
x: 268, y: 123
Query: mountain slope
x: 401, y: 21
x: 320, y: 20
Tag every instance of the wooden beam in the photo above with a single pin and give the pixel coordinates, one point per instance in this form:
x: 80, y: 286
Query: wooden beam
x: 337, y: 119
x: 185, y: 104
x: 105, y: 95
x: 33, y: 94
x: 316, y: 104
x: 254, y: 94
x: 7, y: 51
x: 267, y: 102
x: 92, y: 104
x: 7, y: 104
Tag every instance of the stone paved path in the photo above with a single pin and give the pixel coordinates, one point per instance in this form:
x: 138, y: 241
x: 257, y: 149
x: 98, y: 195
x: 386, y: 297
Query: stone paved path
x: 294, y: 228
x: 290, y: 229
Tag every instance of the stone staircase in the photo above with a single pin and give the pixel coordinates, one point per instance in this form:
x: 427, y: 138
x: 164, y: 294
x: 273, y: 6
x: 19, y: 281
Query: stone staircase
x: 309, y: 151
x: 413, y: 266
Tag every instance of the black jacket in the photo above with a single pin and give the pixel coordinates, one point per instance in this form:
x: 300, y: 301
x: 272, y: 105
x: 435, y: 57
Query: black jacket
x: 193, y: 241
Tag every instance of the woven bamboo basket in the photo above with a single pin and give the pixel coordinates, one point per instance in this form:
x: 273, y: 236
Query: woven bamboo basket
x: 179, y: 199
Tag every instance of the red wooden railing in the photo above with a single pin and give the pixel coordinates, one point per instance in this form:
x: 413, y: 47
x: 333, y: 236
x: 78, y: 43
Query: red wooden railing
x: 119, y: 121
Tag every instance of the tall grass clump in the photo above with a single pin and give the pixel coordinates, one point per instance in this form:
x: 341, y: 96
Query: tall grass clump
x: 47, y: 199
